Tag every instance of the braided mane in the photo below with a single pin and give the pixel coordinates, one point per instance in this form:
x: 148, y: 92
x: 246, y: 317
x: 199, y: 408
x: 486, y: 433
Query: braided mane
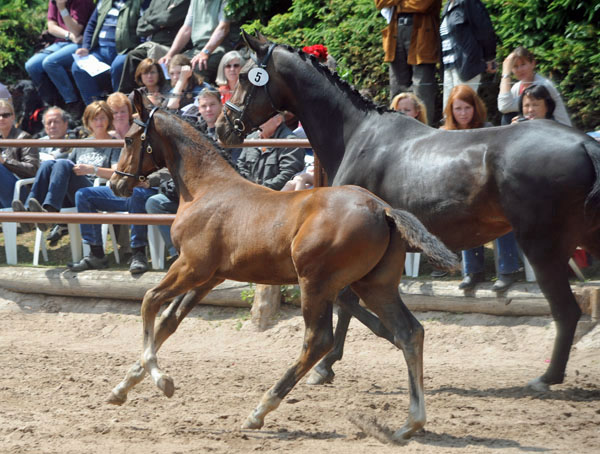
x: 359, y: 100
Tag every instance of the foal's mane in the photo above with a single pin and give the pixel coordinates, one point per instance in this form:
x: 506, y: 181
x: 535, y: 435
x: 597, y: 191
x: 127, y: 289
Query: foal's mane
x: 201, y: 128
x: 354, y: 95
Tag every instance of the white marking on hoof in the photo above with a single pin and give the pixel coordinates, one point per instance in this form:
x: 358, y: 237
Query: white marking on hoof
x: 116, y: 399
x: 316, y: 378
x: 408, y: 430
x: 252, y: 422
x: 166, y: 385
x: 538, y: 385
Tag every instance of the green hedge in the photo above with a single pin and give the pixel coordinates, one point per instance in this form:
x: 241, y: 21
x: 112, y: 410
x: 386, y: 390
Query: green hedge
x: 564, y: 35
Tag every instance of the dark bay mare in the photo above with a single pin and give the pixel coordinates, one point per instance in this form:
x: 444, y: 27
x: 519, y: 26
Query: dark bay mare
x: 229, y: 228
x: 538, y: 178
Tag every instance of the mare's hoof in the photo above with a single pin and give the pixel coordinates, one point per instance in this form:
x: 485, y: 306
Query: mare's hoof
x: 538, y: 385
x: 166, y: 385
x: 115, y: 399
x: 318, y: 378
x: 252, y: 423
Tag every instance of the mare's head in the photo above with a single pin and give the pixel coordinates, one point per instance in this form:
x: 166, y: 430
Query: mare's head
x: 141, y: 154
x: 254, y: 100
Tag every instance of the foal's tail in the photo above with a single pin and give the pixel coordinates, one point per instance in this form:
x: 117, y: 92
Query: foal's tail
x: 415, y: 233
x: 592, y: 201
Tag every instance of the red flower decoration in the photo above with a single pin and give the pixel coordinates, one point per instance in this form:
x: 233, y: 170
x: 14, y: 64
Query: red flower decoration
x: 318, y: 50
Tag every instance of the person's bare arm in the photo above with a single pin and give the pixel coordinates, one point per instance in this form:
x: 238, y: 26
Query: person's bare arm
x: 181, y: 39
x: 217, y: 37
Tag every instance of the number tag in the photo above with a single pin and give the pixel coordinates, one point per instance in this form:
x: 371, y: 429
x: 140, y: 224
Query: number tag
x: 258, y: 76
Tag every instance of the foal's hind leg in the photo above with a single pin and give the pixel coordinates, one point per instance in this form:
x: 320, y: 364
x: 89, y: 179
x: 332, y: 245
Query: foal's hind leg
x: 408, y: 335
x: 348, y: 307
x: 170, y: 320
x: 318, y: 340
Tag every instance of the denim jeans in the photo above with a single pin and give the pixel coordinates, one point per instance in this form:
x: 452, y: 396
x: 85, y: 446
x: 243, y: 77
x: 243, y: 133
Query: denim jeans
x: 101, y: 198
x: 48, y: 71
x: 55, y: 182
x: 161, y: 204
x: 7, y: 186
x: 508, y: 256
x: 92, y: 88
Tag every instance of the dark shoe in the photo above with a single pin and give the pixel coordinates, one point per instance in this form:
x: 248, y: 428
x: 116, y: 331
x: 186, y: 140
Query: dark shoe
x: 75, y: 110
x: 439, y: 273
x: 90, y: 262
x: 36, y: 207
x: 504, y: 281
x: 17, y: 205
x: 57, y: 232
x: 139, y: 263
x: 471, y: 280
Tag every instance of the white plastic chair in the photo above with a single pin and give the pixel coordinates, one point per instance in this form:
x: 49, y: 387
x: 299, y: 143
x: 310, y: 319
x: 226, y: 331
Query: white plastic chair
x: 9, y: 229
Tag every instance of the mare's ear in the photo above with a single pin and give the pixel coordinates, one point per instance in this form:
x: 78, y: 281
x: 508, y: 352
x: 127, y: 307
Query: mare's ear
x: 254, y: 43
x: 141, y: 104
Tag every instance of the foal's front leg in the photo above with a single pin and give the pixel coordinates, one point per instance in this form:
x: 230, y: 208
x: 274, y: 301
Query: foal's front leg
x: 171, y: 285
x: 170, y: 320
x: 318, y: 340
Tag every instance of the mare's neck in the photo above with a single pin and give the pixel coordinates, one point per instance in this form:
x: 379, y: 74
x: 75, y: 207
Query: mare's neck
x: 328, y: 113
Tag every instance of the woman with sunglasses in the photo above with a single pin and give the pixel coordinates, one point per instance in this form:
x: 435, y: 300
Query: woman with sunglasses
x: 17, y: 162
x: 228, y: 74
x: 185, y: 84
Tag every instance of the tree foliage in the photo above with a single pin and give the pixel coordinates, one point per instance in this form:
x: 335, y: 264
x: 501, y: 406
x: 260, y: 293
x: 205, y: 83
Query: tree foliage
x: 564, y: 35
x: 21, y: 23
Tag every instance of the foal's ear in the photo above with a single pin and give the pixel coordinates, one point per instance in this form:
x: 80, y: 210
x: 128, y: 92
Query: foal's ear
x: 141, y: 104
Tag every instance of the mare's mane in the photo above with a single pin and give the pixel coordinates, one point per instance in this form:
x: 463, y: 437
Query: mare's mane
x: 354, y: 95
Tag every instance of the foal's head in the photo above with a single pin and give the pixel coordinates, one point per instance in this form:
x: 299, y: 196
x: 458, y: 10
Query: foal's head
x: 138, y: 157
x: 255, y: 97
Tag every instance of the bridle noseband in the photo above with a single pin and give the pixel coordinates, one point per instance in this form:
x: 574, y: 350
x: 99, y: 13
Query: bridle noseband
x: 138, y: 175
x: 238, y: 124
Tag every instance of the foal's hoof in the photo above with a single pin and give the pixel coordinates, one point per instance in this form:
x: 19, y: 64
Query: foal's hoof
x: 166, y: 385
x: 538, y: 385
x: 252, y: 423
x: 116, y: 399
x: 317, y: 377
x: 403, y: 434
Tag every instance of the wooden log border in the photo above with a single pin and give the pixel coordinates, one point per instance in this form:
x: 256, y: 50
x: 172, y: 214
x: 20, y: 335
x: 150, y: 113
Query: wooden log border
x: 523, y: 299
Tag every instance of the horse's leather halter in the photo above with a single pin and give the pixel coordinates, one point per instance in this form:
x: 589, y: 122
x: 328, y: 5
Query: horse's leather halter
x: 239, y: 124
x: 138, y: 175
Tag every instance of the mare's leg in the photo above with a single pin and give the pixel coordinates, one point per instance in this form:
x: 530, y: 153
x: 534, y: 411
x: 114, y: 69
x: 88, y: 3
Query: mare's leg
x: 170, y: 320
x: 552, y: 277
x: 348, y: 307
x: 318, y: 340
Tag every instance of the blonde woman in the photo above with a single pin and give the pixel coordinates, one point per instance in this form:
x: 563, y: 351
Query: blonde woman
x: 122, y: 114
x: 57, y: 180
x: 228, y: 73
x: 17, y: 162
x: 410, y: 104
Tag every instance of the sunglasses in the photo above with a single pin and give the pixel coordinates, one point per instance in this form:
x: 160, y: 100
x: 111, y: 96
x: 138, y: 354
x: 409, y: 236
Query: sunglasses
x: 6, y: 115
x: 233, y: 65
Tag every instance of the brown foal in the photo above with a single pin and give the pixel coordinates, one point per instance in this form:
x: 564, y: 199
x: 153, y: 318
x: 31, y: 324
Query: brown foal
x: 324, y: 239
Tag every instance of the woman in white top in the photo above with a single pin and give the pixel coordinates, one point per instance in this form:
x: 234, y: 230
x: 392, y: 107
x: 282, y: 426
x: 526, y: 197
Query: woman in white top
x: 521, y: 63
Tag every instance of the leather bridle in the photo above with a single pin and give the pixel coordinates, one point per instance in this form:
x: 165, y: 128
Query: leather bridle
x: 138, y: 175
x: 241, y: 125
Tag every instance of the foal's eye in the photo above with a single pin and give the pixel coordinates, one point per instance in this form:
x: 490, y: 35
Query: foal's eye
x: 243, y: 76
x: 128, y: 141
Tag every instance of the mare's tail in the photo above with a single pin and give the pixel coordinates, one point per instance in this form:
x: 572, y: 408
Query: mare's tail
x: 592, y: 201
x: 415, y: 233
